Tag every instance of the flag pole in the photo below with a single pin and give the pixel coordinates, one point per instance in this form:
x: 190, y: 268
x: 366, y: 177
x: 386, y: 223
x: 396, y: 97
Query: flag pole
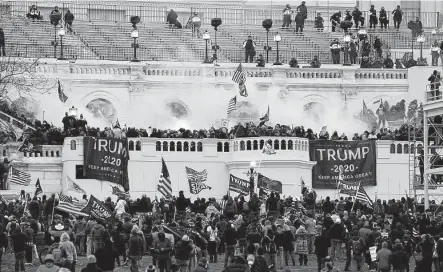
x: 355, y: 198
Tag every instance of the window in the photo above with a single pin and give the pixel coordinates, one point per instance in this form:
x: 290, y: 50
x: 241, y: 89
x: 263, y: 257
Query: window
x: 79, y: 172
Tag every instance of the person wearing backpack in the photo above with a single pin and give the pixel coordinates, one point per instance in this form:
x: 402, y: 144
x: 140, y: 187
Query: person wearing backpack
x: 321, y: 244
x: 271, y: 249
x: 230, y: 209
x: 357, y: 245
x: 19, y: 243
x: 88, y: 232
x: 70, y: 258
x: 57, y: 253
x: 98, y: 235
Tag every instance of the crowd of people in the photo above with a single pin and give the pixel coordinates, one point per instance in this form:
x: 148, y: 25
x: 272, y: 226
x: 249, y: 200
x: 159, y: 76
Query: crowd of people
x: 254, y: 234
x: 47, y: 134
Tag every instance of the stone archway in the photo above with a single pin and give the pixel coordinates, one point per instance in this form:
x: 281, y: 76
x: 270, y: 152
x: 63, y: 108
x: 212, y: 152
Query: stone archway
x: 102, y: 108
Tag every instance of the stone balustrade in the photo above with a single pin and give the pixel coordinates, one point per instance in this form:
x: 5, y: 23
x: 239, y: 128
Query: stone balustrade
x: 161, y: 145
x: 328, y: 74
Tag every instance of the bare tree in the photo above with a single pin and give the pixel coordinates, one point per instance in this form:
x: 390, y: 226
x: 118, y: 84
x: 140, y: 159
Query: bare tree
x: 19, y: 78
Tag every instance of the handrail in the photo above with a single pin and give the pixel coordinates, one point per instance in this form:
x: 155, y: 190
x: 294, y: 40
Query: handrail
x: 14, y: 121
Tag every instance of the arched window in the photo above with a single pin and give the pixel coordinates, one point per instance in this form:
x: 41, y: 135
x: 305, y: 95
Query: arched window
x: 392, y: 149
x: 226, y: 147
x: 138, y: 146
x: 131, y: 146
x: 171, y: 146
x: 199, y: 147
x: 186, y: 146
x: 290, y: 145
x: 158, y: 146
x: 248, y: 145
x: 57, y: 153
x: 165, y: 146
x: 276, y: 145
x: 262, y: 143
x: 219, y: 147
x: 73, y: 145
x: 235, y: 145
x: 399, y: 149
x: 283, y: 145
x: 297, y: 145
x: 46, y: 153
x: 406, y: 149
x: 412, y: 148
x: 52, y: 153
x: 242, y: 145
x: 179, y: 146
x: 255, y: 145
x: 192, y: 146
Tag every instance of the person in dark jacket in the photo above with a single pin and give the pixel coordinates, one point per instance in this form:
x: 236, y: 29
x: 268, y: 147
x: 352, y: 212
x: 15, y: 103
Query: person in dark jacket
x: 398, y: 16
x: 272, y: 206
x: 19, y: 240
x: 69, y: 19
x: 378, y: 46
x: 230, y: 238
x: 398, y: 258
x: 383, y: 18
x: 388, y: 62
x: 426, y: 247
x: 135, y: 249
x: 299, y: 22
x: 249, y: 46
x: 162, y: 248
x: 107, y: 256
x: 357, y: 15
x: 336, y: 236
x: 50, y: 207
x: 321, y: 244
x: 181, y: 204
x: 335, y: 20
x: 34, y: 208
x: 373, y: 21
x: 2, y: 45
x: 172, y: 17
x: 183, y: 251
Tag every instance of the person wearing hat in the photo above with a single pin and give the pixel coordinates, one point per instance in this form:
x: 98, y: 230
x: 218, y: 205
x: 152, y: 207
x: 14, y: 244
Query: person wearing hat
x: 196, y: 23
x: 49, y: 266
x: 19, y: 245
x: 202, y: 265
x: 182, y: 252
x: 162, y: 249
x: 135, y: 248
x: 151, y: 268
x: 383, y: 18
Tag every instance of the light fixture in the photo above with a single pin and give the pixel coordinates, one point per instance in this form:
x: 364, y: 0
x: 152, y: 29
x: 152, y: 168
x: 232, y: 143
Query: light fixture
x: 134, y: 34
x: 421, y: 39
x: 73, y: 111
x: 347, y: 38
x: 434, y: 31
x: 61, y: 32
x: 252, y: 164
x: 206, y: 35
x: 277, y: 37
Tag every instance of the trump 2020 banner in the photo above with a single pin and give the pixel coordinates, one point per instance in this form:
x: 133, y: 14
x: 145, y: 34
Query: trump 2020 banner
x: 238, y: 185
x: 97, y: 209
x: 356, y: 160
x: 106, y: 159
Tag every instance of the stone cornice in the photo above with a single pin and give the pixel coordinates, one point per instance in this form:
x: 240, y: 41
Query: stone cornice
x: 272, y: 164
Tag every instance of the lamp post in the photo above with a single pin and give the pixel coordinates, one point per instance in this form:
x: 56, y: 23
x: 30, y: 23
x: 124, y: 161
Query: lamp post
x: 215, y: 22
x: 55, y: 43
x: 72, y: 111
x: 346, y: 40
x: 277, y: 39
x: 61, y: 33
x: 134, y: 35
x: 251, y: 174
x: 206, y: 37
x: 421, y: 39
x: 267, y: 24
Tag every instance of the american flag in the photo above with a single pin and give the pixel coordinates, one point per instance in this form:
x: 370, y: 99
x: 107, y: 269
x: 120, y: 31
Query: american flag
x: 239, y: 75
x: 164, y: 184
x: 232, y: 106
x: 69, y: 205
x: 196, y: 180
x: 302, y: 184
x: 19, y: 177
x: 240, y: 78
x: 265, y: 118
x: 61, y: 94
x: 363, y: 196
x: 116, y: 191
